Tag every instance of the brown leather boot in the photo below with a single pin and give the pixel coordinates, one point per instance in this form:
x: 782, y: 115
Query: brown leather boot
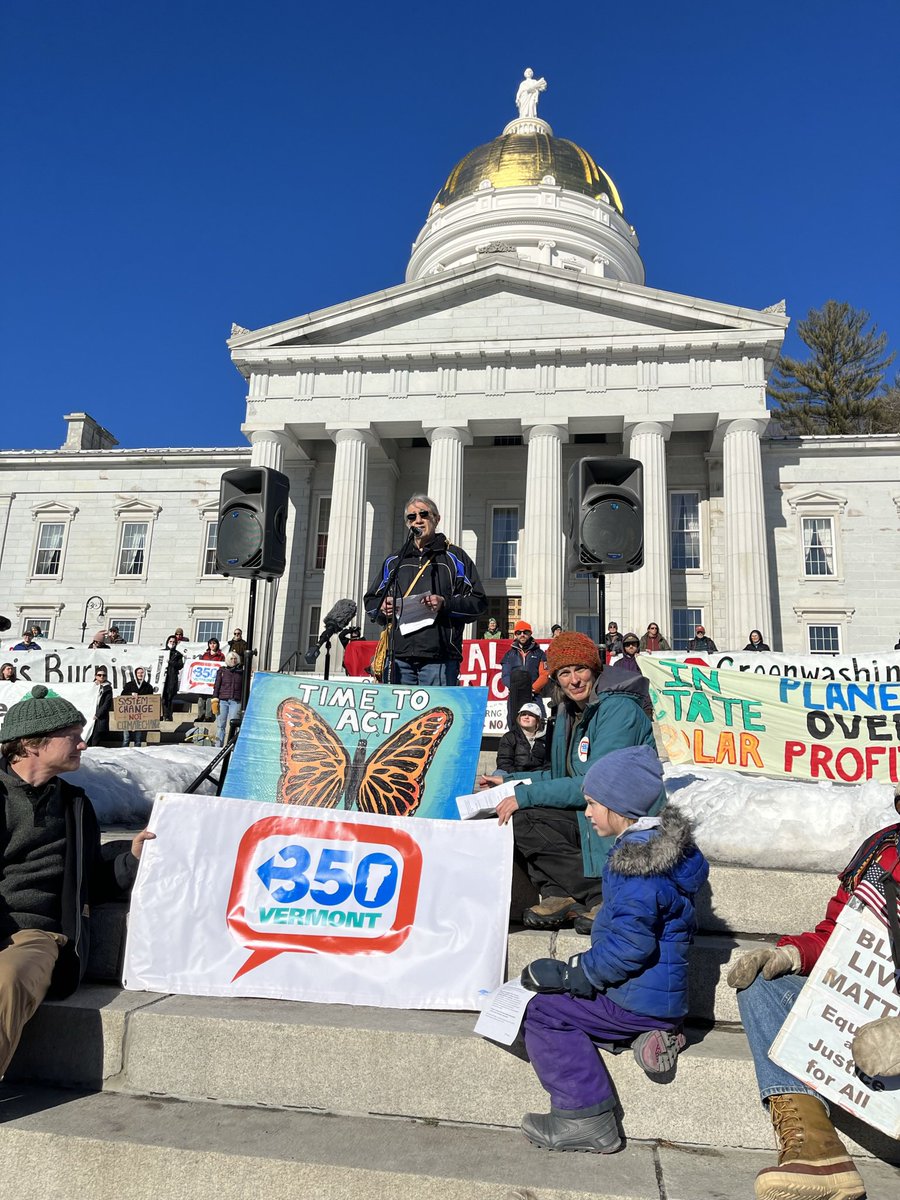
x: 812, y: 1161
x: 550, y: 913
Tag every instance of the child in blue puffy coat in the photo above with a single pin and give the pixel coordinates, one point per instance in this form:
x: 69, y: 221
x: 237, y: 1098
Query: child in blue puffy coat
x: 632, y: 985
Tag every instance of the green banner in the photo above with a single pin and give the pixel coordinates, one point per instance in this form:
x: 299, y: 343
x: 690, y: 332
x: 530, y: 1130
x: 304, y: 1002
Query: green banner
x: 846, y: 732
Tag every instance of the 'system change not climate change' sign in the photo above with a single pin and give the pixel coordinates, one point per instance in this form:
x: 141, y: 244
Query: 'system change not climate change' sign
x: 846, y: 731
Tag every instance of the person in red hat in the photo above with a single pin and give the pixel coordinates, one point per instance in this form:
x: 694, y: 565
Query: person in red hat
x: 562, y: 853
x: 523, y: 669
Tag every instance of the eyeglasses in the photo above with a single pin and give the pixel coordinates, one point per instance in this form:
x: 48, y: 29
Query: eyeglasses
x: 426, y: 516
x: 627, y: 644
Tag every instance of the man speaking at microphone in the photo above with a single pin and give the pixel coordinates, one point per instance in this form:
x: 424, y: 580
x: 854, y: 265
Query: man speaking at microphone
x: 426, y: 593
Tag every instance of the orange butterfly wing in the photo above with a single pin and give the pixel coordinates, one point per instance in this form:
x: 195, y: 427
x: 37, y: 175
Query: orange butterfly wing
x: 313, y: 758
x: 394, y: 777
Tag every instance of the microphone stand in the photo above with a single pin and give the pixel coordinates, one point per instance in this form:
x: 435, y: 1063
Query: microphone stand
x: 392, y: 589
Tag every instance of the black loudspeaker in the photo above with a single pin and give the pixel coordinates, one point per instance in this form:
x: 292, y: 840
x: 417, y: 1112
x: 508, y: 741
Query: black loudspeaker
x: 252, y: 539
x: 605, y: 518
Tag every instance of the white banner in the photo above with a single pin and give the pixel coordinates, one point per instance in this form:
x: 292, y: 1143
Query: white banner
x: 851, y: 984
x: 847, y: 668
x: 56, y: 665
x: 241, y: 898
x: 198, y: 676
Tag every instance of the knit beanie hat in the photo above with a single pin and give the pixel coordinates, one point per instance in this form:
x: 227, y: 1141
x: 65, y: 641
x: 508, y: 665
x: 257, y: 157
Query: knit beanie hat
x: 39, y: 713
x: 572, y: 650
x: 628, y: 781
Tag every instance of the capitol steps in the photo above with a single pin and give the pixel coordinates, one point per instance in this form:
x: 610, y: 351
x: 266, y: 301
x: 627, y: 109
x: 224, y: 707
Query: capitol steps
x: 374, y: 1062
x: 64, y: 1146
x: 405, y: 1088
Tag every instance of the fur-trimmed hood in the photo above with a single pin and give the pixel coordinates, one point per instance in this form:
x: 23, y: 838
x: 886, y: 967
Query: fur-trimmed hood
x: 668, y: 849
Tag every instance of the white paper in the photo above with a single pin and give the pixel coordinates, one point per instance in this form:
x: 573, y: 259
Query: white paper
x: 501, y: 1017
x: 417, y: 616
x: 486, y: 801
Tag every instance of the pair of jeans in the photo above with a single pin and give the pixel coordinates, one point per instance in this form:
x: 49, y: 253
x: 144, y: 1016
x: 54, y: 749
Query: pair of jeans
x: 560, y: 1036
x: 228, y: 710
x: 135, y: 735
x: 425, y: 674
x: 764, y: 1007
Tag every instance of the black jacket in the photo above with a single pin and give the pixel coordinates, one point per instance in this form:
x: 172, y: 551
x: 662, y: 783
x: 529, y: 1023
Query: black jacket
x: 92, y: 874
x: 132, y: 688
x: 526, y: 658
x: 704, y: 644
x: 104, y: 703
x: 515, y: 754
x: 450, y: 573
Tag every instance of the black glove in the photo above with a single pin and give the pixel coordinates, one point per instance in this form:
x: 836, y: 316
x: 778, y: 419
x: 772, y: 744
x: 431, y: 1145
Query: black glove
x: 549, y: 976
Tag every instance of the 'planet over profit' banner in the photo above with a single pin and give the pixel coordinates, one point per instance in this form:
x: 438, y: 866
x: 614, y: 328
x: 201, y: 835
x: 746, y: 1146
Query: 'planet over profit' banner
x: 846, y: 731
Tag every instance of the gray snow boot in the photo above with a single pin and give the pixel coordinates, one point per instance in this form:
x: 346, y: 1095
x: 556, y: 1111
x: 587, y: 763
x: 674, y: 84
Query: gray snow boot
x: 549, y: 1131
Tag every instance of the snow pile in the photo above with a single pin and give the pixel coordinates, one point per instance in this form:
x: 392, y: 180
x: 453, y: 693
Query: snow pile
x: 777, y: 823
x: 123, y: 784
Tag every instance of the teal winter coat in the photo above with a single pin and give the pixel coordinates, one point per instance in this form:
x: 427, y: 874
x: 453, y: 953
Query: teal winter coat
x: 612, y: 720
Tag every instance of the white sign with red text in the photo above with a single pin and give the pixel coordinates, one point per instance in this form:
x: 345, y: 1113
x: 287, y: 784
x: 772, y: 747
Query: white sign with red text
x: 241, y: 898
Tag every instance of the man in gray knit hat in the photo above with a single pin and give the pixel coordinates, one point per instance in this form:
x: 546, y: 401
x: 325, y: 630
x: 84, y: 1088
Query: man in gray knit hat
x: 52, y: 866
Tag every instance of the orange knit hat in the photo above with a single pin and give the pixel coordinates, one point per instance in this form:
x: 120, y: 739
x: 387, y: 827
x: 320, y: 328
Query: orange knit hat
x: 572, y: 650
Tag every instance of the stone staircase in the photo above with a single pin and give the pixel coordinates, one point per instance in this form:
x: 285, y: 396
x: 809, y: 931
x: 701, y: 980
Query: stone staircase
x: 126, y: 1095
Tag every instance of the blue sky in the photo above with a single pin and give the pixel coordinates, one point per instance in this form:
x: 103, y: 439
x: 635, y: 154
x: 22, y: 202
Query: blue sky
x: 171, y: 168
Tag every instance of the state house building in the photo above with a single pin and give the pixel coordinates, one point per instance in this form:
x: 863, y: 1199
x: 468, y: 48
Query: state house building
x: 523, y: 338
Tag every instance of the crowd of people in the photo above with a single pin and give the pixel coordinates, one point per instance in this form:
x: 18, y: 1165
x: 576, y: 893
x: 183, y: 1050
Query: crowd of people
x: 590, y: 827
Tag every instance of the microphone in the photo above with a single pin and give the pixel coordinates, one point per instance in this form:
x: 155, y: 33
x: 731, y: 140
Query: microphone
x: 339, y: 615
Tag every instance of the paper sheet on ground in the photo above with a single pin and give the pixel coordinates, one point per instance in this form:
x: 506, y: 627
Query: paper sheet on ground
x: 501, y: 1017
x: 482, y: 803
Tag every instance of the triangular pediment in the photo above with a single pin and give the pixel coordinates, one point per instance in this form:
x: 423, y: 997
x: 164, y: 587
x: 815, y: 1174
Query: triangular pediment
x: 502, y: 300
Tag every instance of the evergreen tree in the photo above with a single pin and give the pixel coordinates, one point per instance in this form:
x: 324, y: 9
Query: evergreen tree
x: 837, y: 389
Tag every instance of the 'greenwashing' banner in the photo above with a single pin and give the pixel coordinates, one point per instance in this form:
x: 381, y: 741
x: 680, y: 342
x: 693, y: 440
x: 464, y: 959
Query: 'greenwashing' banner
x: 842, y: 731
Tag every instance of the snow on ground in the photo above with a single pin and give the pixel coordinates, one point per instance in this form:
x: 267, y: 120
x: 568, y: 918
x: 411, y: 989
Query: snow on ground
x: 122, y: 783
x: 778, y: 823
x: 738, y: 819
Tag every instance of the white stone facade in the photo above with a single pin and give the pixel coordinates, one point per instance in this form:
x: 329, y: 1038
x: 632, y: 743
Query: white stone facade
x: 63, y: 518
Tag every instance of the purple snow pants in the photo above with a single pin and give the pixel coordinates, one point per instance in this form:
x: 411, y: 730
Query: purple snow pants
x: 560, y: 1032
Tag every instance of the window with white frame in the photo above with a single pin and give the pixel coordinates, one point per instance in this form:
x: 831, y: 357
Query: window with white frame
x: 42, y: 624
x: 133, y: 548
x: 684, y: 624
x: 208, y: 627
x: 315, y: 617
x: 127, y: 627
x: 824, y: 639
x: 505, y: 541
x: 818, y: 547
x: 210, y: 565
x: 49, y: 549
x: 684, y: 522
x: 323, y: 517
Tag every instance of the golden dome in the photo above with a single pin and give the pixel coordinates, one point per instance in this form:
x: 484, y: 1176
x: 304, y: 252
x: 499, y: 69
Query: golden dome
x: 523, y: 160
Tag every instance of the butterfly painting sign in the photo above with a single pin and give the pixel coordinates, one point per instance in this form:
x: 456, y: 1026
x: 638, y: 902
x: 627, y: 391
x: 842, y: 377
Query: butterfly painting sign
x: 358, y: 747
x: 238, y: 898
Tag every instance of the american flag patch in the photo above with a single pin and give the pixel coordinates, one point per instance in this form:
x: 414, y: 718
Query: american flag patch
x: 870, y: 889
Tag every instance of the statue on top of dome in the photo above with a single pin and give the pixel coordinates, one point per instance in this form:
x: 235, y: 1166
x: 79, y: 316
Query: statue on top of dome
x: 527, y: 95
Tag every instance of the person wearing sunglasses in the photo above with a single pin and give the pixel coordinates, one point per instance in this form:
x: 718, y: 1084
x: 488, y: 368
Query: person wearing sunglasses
x: 425, y: 594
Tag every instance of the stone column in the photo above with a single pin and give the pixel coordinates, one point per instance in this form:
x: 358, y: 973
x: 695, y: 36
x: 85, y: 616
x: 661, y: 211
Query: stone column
x: 543, y: 554
x: 648, y: 590
x: 748, y: 596
x: 445, y: 477
x: 268, y: 448
x: 347, y: 525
